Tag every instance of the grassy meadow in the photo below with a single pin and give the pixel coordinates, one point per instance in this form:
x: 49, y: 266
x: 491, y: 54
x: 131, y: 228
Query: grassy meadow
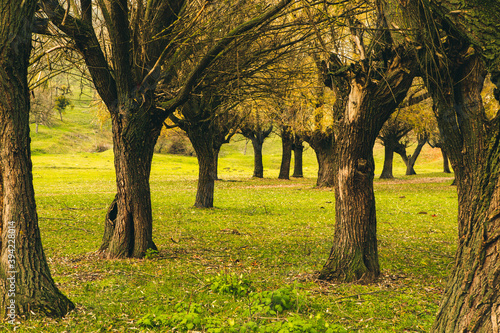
x: 248, y: 265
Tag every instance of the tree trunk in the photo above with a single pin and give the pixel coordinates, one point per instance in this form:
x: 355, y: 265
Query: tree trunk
x: 388, y: 161
x: 26, y: 285
x: 354, y: 255
x: 325, y: 157
x: 130, y: 234
x: 446, y: 164
x: 286, y: 157
x: 216, y: 163
x: 298, y: 150
x: 258, y: 166
x: 362, y: 107
x: 471, y: 302
x: 202, y: 138
x: 412, y: 159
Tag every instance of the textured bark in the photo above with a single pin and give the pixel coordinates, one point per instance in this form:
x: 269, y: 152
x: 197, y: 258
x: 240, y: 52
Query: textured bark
x: 455, y: 79
x: 26, y: 285
x: 298, y: 150
x: 388, y: 161
x: 446, y: 164
x: 362, y: 107
x: 258, y: 166
x: 131, y: 233
x: 412, y: 159
x: 286, y: 155
x: 354, y: 254
x: 471, y: 301
x: 322, y: 144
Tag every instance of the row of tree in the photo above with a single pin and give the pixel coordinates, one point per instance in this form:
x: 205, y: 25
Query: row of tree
x: 192, y: 63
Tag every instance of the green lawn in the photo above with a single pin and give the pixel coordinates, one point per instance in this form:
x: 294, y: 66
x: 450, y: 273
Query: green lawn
x: 249, y: 263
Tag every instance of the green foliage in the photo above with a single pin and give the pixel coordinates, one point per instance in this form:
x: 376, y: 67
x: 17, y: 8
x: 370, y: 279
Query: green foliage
x: 232, y: 284
x: 186, y: 318
x: 191, y: 316
x: 151, y: 254
x: 274, y: 302
x: 292, y: 324
x: 61, y: 103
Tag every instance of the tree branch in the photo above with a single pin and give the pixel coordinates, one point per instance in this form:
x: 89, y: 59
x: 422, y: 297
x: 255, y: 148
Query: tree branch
x: 196, y: 75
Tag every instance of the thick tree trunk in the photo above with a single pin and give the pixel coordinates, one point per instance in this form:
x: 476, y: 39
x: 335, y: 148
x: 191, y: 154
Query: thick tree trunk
x: 130, y: 233
x: 362, y: 107
x: 354, y: 255
x: 202, y: 138
x: 388, y: 161
x: 258, y: 166
x: 471, y: 302
x: 26, y: 285
x: 298, y: 150
x: 286, y: 156
x: 325, y: 157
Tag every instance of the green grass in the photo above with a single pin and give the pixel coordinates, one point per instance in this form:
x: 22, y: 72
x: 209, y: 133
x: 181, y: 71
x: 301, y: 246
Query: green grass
x: 274, y: 233
x: 267, y: 234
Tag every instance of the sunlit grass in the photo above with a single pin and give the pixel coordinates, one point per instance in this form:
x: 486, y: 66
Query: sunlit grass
x: 273, y: 232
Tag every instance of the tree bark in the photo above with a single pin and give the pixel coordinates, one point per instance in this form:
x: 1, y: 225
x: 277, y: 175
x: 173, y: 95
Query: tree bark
x: 412, y: 159
x: 388, y: 161
x: 362, y: 106
x: 446, y: 164
x: 258, y: 166
x: 202, y: 140
x: 130, y: 234
x: 26, y: 285
x: 298, y: 150
x: 286, y: 156
x: 471, y: 300
x: 324, y: 150
x: 354, y: 254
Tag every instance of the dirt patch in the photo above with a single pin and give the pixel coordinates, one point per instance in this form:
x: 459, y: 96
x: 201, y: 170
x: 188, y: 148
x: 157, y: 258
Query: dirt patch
x: 423, y: 180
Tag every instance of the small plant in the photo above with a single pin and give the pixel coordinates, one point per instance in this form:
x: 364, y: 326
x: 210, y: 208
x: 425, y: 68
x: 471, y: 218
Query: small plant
x: 151, y: 254
x: 233, y: 284
x: 273, y: 302
x: 186, y: 319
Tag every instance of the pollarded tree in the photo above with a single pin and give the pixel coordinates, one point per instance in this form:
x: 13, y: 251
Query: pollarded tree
x: 256, y: 126
x: 367, y: 92
x: 460, y: 42
x: 26, y: 285
x: 209, y: 116
x: 391, y: 134
x: 142, y: 46
x: 209, y: 124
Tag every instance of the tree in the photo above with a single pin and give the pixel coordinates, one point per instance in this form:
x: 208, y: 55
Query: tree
x: 148, y: 42
x: 256, y: 127
x: 298, y: 150
x: 286, y: 151
x: 62, y: 102
x: 456, y: 52
x: 367, y: 90
x: 42, y: 105
x: 391, y: 134
x: 208, y: 125
x: 25, y: 281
